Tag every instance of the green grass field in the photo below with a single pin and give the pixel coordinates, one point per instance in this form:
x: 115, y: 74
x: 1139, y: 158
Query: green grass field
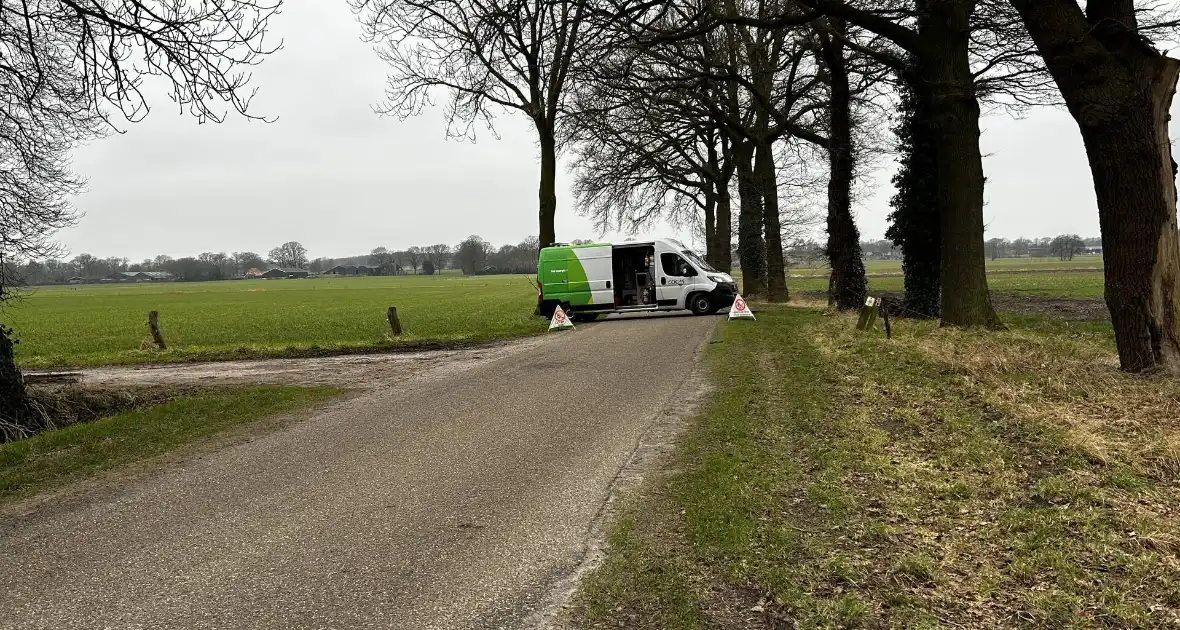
x: 101, y: 324
x: 1058, y: 283
x: 1000, y: 264
x: 1048, y: 277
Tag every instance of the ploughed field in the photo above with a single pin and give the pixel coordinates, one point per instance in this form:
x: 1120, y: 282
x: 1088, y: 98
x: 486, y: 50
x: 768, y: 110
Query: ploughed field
x: 104, y: 324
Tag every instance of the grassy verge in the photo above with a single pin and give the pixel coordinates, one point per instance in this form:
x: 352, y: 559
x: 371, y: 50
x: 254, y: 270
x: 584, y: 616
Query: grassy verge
x: 55, y: 457
x: 945, y: 479
x: 253, y: 352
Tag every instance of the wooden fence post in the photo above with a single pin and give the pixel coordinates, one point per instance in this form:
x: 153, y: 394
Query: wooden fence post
x: 885, y: 316
x: 395, y: 324
x: 154, y: 327
x: 868, y: 314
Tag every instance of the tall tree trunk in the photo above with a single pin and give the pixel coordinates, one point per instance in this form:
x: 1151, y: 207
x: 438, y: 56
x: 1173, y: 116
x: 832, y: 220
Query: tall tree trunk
x: 914, y: 222
x: 846, y: 285
x: 776, y: 272
x: 1130, y: 159
x: 751, y: 246
x: 725, y: 207
x: 724, y: 228
x: 1119, y: 90
x: 710, y: 223
x: 548, y: 188
x: 965, y: 299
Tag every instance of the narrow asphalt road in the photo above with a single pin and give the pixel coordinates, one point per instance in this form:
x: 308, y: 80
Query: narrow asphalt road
x: 459, y: 498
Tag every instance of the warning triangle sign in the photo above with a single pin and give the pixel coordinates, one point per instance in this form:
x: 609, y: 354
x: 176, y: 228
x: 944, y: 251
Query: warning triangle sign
x: 740, y: 309
x: 560, y: 320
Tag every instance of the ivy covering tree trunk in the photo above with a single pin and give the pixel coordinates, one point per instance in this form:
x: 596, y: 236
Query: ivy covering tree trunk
x: 914, y: 222
x: 847, y: 286
x: 751, y: 246
x: 776, y: 268
x: 15, y: 412
x: 721, y: 167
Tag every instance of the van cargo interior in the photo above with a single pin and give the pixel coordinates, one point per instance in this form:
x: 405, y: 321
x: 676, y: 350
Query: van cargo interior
x: 634, y: 271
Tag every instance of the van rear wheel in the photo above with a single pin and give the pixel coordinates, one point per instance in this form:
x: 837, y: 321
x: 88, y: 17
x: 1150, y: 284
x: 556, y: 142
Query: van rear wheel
x: 700, y: 304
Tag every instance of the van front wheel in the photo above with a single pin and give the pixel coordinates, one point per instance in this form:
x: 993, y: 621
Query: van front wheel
x: 700, y: 304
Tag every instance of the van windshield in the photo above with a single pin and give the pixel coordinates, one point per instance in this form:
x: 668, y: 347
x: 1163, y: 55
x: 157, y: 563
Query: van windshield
x: 698, y: 261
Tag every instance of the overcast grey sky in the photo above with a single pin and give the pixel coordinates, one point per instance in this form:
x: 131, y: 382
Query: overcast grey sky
x: 342, y: 180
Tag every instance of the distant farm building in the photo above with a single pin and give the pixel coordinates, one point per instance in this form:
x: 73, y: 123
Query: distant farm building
x: 354, y: 270
x: 140, y: 276
x: 285, y: 272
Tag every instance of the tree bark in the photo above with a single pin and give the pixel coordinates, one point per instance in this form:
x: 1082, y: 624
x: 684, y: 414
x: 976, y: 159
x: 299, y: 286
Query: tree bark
x: 1119, y: 90
x: 776, y: 272
x: 153, y: 323
x: 710, y: 224
x: 724, y: 228
x: 751, y: 246
x: 725, y: 171
x: 955, y: 108
x: 548, y: 188
x: 847, y: 286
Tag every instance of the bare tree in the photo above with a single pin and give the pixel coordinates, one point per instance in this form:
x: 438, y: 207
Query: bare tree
x: 1065, y: 246
x: 438, y: 255
x: 383, y: 259
x: 245, y: 261
x: 483, y: 55
x: 71, y: 70
x: 289, y: 254
x: 643, y: 154
x: 472, y: 254
x: 414, y: 256
x: 220, y: 263
x: 963, y: 51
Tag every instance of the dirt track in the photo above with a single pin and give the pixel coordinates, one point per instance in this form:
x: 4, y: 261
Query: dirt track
x: 361, y: 371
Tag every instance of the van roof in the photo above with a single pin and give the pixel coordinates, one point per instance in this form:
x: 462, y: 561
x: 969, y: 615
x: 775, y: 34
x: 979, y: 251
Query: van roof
x: 671, y: 241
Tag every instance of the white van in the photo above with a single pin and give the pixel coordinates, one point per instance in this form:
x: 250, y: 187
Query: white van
x: 660, y: 275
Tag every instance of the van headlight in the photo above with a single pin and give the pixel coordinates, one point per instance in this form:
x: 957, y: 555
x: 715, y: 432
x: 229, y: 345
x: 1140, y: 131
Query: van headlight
x: 718, y: 279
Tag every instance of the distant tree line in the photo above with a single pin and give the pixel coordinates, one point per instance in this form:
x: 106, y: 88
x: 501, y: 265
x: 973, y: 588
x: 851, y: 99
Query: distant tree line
x: 1064, y: 247
x: 473, y: 256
